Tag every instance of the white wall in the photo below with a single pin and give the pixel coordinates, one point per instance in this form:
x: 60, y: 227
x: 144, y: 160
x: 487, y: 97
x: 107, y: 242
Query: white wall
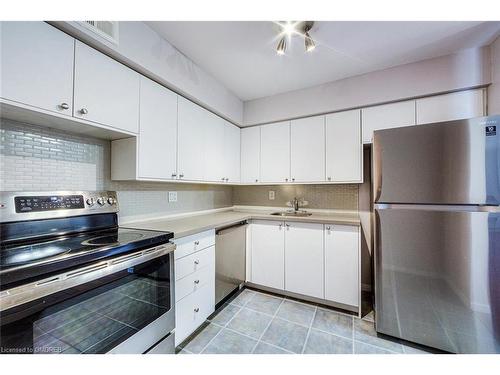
x: 468, y: 68
x: 494, y: 89
x: 146, y: 51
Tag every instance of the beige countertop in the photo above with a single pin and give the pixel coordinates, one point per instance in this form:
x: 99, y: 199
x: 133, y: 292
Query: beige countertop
x: 187, y: 225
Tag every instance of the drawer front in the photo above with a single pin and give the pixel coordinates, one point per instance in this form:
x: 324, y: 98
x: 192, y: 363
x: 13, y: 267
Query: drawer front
x: 190, y: 244
x: 192, y: 311
x: 193, y: 282
x: 194, y: 262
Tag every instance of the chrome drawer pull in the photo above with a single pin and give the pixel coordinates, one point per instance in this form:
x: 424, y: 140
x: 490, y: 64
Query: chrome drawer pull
x: 196, y: 309
x: 197, y: 281
x: 196, y: 261
x: 196, y: 242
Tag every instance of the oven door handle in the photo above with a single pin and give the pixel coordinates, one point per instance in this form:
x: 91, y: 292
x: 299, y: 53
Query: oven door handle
x: 29, y: 292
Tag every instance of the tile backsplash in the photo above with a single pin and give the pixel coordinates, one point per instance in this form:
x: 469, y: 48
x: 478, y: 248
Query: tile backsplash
x: 34, y: 158
x: 340, y: 197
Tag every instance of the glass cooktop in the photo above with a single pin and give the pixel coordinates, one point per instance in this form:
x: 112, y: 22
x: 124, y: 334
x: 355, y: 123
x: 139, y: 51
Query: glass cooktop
x: 24, y: 260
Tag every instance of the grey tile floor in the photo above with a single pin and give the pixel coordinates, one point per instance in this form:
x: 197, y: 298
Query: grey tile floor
x: 260, y: 323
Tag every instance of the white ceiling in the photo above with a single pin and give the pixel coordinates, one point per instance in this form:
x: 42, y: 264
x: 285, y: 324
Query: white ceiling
x: 242, y: 56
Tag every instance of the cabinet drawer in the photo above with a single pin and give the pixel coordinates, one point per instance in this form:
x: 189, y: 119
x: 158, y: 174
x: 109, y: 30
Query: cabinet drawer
x: 190, y: 244
x: 194, y: 262
x: 192, y: 311
x: 193, y: 282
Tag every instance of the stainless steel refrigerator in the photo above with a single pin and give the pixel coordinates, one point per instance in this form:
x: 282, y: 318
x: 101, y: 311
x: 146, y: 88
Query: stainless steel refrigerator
x: 436, y: 196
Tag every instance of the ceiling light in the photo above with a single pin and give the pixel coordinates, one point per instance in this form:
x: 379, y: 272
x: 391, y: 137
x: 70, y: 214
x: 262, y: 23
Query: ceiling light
x: 280, y: 50
x: 309, y: 42
x: 289, y: 28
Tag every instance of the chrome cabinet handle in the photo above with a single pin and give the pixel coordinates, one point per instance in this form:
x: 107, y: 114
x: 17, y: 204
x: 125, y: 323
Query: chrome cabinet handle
x: 287, y: 226
x: 174, y: 174
x: 196, y: 242
x: 64, y: 106
x: 197, y: 281
x: 293, y: 179
x: 196, y: 309
x: 256, y: 180
x: 181, y: 175
x: 84, y: 111
x: 223, y: 179
x: 286, y: 179
x: 227, y: 179
x: 196, y: 261
x: 281, y: 225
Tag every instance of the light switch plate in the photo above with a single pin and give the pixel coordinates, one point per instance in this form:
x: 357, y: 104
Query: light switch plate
x: 172, y: 196
x: 271, y: 195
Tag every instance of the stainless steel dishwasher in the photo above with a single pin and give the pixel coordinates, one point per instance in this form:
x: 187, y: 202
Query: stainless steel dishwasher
x: 230, y: 257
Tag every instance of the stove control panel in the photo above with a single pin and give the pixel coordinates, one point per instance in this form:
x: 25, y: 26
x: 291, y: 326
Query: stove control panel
x: 74, y: 202
x: 48, y: 203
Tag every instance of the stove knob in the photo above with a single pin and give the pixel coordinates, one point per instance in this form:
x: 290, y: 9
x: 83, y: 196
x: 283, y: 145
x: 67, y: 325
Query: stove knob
x: 100, y: 201
x: 90, y: 201
x: 111, y: 200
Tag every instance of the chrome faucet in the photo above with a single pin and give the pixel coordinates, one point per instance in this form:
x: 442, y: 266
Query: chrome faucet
x: 295, y: 204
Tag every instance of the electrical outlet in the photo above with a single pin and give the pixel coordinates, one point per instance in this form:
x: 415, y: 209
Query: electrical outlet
x: 271, y: 195
x: 172, y: 196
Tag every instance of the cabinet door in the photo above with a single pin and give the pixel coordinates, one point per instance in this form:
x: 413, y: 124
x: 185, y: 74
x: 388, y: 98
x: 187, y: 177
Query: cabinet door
x: 304, y: 259
x: 268, y: 253
x: 250, y: 154
x: 342, y: 283
x: 106, y: 91
x: 37, y: 66
x: 307, y: 144
x: 231, y: 152
x: 191, y: 140
x: 386, y: 116
x: 344, y: 149
x: 214, y: 147
x: 454, y: 106
x: 157, y: 156
x: 275, y: 152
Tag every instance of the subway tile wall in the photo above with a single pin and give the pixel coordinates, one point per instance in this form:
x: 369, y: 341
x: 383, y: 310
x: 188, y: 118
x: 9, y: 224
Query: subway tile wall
x: 34, y: 158
x: 338, y: 197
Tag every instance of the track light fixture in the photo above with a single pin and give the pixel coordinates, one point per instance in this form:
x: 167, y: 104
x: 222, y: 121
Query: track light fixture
x: 291, y: 28
x: 280, y: 50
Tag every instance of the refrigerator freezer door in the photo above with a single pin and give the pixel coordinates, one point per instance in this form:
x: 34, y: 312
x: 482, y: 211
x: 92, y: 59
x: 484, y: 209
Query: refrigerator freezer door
x: 437, y: 276
x: 456, y: 162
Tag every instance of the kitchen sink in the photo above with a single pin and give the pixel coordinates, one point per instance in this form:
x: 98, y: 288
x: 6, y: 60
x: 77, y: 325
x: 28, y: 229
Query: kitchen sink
x: 292, y: 213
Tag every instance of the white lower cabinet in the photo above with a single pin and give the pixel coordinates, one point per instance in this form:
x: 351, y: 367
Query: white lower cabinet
x: 194, y: 282
x: 342, y: 244
x: 268, y: 253
x: 304, y: 259
x: 310, y: 259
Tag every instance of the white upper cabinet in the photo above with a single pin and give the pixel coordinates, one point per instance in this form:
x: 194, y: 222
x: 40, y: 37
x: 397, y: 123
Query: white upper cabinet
x: 250, y: 154
x: 37, y: 66
x: 106, y: 91
x: 386, y: 116
x: 268, y: 253
x: 342, y: 248
x: 214, y: 147
x: 192, y: 120
x: 275, y: 152
x: 157, y: 152
x: 231, y: 152
x: 344, y: 149
x: 454, y: 106
x: 307, y: 149
x: 304, y: 259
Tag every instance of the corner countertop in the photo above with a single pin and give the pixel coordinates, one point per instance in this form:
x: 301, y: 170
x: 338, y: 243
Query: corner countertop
x: 195, y: 223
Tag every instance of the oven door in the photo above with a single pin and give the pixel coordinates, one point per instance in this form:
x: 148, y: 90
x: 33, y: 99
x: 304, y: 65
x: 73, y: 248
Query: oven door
x: 120, y: 305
